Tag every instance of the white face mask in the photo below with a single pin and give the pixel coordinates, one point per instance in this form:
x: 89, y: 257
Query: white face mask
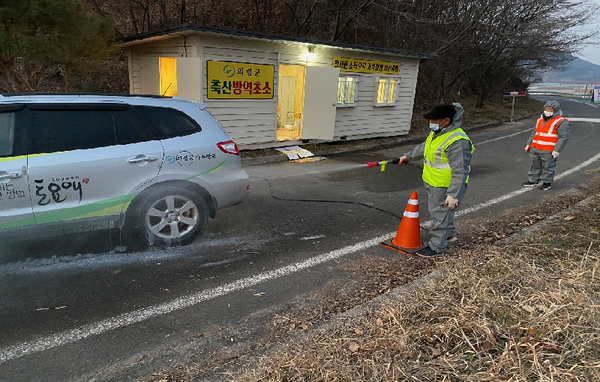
x: 548, y: 113
x: 434, y: 126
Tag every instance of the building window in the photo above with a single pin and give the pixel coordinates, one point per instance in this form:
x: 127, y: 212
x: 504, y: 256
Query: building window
x: 346, y: 95
x: 387, y: 91
x: 168, y: 76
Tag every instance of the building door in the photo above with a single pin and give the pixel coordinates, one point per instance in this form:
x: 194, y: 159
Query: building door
x: 171, y: 76
x: 286, y: 102
x: 290, y: 99
x: 320, y: 99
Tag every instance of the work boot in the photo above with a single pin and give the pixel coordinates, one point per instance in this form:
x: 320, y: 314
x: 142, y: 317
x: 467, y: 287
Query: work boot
x: 426, y: 252
x: 452, y: 239
x: 545, y: 186
x: 530, y: 184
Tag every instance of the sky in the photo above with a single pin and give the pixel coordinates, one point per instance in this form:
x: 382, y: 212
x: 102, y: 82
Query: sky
x: 591, y: 52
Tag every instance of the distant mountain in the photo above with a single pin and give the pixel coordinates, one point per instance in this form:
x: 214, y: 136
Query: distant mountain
x: 577, y: 71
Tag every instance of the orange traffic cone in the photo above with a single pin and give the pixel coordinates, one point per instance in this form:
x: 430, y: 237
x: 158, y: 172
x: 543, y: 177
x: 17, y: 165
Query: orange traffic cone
x: 408, y: 237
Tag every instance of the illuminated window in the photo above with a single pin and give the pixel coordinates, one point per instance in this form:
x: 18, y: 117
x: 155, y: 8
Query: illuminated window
x: 346, y: 95
x: 168, y: 76
x: 387, y: 91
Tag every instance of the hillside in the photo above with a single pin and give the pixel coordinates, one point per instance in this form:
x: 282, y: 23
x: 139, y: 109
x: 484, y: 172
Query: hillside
x: 576, y: 71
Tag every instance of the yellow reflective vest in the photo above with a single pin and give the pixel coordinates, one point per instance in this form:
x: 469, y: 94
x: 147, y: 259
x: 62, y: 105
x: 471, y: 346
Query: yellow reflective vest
x: 436, y: 170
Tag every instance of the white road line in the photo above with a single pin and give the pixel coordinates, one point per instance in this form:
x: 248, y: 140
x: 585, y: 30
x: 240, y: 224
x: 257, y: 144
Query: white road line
x: 575, y: 119
x: 69, y: 336
x: 59, y: 339
x: 595, y: 120
x: 504, y: 136
x: 491, y: 202
x: 586, y: 103
x: 312, y: 237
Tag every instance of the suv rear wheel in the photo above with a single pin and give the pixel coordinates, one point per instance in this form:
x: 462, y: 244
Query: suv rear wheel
x: 167, y: 216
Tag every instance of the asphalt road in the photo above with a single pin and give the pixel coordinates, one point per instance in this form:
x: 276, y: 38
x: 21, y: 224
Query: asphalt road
x: 71, y: 315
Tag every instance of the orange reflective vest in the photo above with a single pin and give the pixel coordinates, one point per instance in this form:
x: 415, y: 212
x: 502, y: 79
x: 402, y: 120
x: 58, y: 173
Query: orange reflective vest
x: 546, y: 135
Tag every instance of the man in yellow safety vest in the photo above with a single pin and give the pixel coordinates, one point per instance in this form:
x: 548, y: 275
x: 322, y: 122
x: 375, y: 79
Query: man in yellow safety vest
x: 446, y: 158
x: 551, y: 134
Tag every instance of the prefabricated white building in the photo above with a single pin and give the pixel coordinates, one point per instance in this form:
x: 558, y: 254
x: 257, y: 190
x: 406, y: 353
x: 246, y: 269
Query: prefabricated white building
x: 269, y: 90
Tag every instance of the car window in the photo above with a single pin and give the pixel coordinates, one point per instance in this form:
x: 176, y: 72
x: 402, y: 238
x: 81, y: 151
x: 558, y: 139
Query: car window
x: 12, y: 133
x: 65, y: 130
x: 168, y: 122
x: 131, y: 128
x: 7, y: 134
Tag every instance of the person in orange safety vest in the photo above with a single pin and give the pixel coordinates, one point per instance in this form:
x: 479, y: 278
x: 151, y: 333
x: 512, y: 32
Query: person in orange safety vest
x: 551, y: 134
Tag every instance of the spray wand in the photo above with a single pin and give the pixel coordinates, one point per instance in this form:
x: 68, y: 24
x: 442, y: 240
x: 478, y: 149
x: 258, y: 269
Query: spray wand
x: 383, y: 163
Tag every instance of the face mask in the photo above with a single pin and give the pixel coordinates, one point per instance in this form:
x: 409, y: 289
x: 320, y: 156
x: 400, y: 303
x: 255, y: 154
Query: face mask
x: 548, y: 113
x: 434, y: 126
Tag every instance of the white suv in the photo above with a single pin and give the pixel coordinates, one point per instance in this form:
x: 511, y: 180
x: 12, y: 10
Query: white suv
x: 156, y: 166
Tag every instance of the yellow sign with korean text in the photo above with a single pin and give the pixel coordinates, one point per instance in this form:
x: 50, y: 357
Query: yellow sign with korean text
x: 239, y: 80
x: 366, y: 66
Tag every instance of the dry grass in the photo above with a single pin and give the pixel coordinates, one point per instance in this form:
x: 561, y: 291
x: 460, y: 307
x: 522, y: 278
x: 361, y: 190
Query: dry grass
x: 528, y: 311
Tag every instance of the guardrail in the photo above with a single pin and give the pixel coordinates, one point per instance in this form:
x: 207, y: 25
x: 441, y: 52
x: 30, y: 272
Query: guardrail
x: 565, y: 93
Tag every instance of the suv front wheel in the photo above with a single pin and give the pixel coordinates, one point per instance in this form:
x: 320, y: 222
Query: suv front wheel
x: 167, y: 217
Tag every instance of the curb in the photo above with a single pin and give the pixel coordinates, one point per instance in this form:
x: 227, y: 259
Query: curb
x: 368, y: 146
x: 537, y: 227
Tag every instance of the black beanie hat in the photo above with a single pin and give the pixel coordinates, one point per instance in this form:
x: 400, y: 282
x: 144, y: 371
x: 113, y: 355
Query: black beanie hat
x: 441, y: 112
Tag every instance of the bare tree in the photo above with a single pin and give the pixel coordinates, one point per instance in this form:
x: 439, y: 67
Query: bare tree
x: 482, y: 45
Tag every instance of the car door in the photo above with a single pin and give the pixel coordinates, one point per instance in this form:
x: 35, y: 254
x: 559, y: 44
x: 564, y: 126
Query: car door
x: 82, y: 170
x: 15, y: 201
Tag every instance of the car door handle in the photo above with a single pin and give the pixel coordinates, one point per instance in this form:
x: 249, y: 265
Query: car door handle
x: 141, y: 159
x: 14, y: 175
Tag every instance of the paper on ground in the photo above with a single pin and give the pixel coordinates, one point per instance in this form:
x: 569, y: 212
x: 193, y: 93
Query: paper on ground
x: 295, y: 152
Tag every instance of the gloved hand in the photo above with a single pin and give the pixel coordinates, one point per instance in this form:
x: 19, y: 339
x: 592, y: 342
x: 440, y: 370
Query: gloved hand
x: 402, y: 161
x: 555, y: 154
x: 451, y: 202
x: 527, y: 148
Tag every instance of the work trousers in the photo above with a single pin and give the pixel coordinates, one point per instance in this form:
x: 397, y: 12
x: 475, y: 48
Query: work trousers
x: 542, y: 167
x: 443, y: 217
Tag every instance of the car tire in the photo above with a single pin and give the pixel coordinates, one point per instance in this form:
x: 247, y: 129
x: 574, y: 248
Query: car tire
x: 168, y: 216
